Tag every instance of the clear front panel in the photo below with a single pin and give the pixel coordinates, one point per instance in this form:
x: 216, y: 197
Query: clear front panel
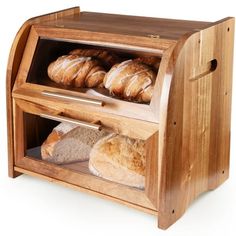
x: 100, y: 153
x: 123, y: 74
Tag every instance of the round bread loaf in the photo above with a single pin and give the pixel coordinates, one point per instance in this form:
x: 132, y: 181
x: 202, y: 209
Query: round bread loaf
x: 69, y: 143
x: 120, y: 159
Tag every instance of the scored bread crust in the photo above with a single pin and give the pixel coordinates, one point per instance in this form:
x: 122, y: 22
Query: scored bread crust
x: 150, y: 61
x: 131, y: 80
x: 73, y: 70
x: 108, y: 59
x: 120, y: 159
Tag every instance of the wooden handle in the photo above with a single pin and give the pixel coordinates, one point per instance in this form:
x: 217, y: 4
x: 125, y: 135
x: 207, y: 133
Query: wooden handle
x: 70, y: 120
x: 89, y: 101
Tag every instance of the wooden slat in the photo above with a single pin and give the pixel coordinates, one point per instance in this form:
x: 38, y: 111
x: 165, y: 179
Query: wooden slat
x: 151, y: 178
x: 87, y: 181
x: 125, y: 126
x: 152, y: 44
x: 63, y: 183
x: 130, y: 25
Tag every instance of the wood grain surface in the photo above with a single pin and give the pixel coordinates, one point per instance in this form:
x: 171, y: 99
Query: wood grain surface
x: 195, y: 123
x: 186, y: 126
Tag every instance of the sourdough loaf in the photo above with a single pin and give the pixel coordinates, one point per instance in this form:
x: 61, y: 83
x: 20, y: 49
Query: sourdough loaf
x: 131, y: 80
x: 120, y: 159
x: 76, y: 71
x: 107, y: 58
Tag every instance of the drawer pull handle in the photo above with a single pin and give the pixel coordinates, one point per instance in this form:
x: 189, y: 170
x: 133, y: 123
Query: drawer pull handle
x: 70, y: 120
x: 74, y: 98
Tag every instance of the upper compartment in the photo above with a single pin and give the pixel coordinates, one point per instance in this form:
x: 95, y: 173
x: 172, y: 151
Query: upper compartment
x: 120, y: 67
x: 124, y: 74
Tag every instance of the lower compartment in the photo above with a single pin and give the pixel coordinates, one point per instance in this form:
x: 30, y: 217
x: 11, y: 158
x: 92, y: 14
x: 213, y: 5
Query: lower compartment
x: 86, y: 148
x: 127, y: 165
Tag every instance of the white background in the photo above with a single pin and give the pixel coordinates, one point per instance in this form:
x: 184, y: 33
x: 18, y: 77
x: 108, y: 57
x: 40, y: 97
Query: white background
x: 30, y: 206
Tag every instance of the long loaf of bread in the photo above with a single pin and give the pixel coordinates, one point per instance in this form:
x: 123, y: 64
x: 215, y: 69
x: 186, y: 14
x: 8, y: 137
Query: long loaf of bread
x: 131, y: 80
x: 76, y: 71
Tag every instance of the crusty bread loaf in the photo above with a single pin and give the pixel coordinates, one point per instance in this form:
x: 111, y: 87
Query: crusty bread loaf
x: 73, y: 70
x: 69, y: 143
x: 150, y: 61
x: 131, y: 80
x: 54, y: 137
x: 120, y: 159
x: 107, y: 58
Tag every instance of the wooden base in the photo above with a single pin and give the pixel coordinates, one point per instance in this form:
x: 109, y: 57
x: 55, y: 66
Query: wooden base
x: 13, y: 174
x: 31, y: 173
x: 160, y: 218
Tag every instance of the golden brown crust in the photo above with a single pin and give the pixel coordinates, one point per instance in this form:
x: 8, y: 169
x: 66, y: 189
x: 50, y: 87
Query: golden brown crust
x: 146, y: 94
x: 75, y: 70
x: 108, y: 59
x: 122, y: 151
x: 49, y: 143
x: 83, y: 72
x: 129, y: 79
x: 95, y: 77
x: 109, y: 72
x: 150, y: 61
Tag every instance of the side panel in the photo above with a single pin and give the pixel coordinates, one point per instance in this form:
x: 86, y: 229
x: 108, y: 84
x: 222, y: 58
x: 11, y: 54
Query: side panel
x: 195, y: 129
x: 14, y: 61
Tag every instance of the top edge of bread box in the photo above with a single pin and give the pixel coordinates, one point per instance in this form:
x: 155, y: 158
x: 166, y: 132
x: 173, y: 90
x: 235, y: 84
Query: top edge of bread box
x: 170, y: 29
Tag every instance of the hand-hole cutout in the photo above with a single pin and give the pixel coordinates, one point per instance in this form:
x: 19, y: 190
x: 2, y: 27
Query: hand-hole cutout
x: 203, y: 70
x: 213, y: 65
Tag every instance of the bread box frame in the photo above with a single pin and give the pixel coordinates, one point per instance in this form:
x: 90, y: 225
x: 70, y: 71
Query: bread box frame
x: 191, y: 104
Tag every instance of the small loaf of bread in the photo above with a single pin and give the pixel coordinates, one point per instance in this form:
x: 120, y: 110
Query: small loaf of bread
x: 76, y: 71
x: 131, y: 80
x: 120, y: 159
x: 107, y: 59
x: 150, y: 61
x: 68, y: 143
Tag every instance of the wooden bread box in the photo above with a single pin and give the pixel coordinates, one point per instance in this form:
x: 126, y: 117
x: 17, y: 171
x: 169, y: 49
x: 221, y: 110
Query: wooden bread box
x: 185, y: 126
